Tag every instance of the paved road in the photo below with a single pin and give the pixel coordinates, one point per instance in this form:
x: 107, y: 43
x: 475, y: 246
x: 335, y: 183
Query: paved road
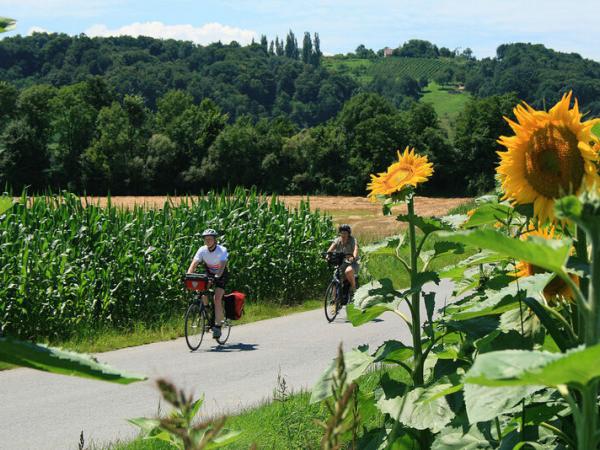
x: 40, y: 410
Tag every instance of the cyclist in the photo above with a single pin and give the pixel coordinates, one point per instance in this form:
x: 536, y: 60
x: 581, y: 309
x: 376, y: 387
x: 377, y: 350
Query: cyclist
x: 347, y: 244
x: 214, y: 257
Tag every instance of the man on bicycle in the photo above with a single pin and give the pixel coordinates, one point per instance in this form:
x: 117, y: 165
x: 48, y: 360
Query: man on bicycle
x: 214, y: 257
x: 347, y: 244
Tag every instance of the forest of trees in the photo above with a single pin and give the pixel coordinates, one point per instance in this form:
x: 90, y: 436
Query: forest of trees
x: 147, y: 116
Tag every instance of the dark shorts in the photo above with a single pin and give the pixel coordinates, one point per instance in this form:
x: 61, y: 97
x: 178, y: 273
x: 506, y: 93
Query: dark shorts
x: 222, y: 280
x: 354, y: 266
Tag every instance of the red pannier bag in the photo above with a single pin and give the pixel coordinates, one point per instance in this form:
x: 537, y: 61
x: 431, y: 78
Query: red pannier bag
x: 234, y: 305
x: 196, y: 281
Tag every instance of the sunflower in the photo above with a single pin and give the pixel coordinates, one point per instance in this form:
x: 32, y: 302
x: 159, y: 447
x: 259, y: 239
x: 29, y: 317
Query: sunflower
x: 551, y: 154
x: 410, y: 170
x: 557, y: 289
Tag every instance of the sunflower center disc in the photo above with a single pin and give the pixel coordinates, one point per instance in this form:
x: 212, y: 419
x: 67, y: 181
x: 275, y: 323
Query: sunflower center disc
x: 553, y: 163
x: 399, y: 175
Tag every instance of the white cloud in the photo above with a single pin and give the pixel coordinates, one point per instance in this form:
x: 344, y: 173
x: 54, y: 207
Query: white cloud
x: 35, y: 29
x: 205, y: 34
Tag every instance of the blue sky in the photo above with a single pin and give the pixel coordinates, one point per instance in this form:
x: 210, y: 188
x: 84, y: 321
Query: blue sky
x: 342, y: 25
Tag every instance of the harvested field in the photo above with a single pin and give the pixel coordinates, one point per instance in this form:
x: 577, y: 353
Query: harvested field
x: 365, y: 217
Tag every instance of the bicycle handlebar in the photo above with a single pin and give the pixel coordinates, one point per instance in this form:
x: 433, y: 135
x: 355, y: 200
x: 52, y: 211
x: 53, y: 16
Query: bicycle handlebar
x: 198, y: 276
x: 337, y: 258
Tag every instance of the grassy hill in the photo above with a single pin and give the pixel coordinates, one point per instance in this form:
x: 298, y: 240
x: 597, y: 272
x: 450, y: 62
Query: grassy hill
x: 447, y: 100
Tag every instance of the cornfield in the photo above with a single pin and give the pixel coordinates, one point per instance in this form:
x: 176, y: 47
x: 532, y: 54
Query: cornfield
x: 67, y: 266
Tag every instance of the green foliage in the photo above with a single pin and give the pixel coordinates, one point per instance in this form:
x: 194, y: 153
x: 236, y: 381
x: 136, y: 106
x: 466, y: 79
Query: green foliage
x: 415, y: 67
x: 485, y: 403
x: 488, y: 214
x: 5, y: 204
x: 6, y: 24
x: 418, y: 409
x: 53, y: 360
x: 356, y: 363
x: 498, y: 302
x: 180, y: 428
x: 522, y: 368
x: 90, y: 267
x: 242, y: 80
x: 537, y: 75
x: 545, y: 253
x: 477, y: 130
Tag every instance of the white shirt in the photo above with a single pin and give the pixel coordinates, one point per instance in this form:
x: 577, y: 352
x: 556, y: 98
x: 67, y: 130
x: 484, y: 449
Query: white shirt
x: 214, y: 259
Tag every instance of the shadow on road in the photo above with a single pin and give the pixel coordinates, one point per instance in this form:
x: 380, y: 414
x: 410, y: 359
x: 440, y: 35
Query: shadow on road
x: 239, y: 347
x: 340, y: 321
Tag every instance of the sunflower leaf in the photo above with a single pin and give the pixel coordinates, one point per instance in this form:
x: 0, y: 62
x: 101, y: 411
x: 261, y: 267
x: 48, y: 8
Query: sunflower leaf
x: 498, y: 302
x: 49, y: 359
x: 356, y: 361
x: 427, y: 225
x: 6, y: 24
x: 417, y: 410
x: 538, y: 368
x: 489, y: 213
x: 549, y: 254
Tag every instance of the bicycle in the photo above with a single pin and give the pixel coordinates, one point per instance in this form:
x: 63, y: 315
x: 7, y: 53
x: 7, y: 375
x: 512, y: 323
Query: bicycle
x: 200, y: 318
x: 338, y: 290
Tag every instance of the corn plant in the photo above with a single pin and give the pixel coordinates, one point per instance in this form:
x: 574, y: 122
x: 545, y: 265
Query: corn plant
x: 68, y: 266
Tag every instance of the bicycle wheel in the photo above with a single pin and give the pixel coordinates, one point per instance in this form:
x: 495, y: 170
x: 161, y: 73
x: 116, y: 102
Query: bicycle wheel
x: 332, y: 301
x: 195, y: 325
x: 225, y: 330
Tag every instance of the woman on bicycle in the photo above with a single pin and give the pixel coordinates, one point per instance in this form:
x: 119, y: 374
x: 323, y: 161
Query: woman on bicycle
x: 347, y: 244
x: 214, y: 257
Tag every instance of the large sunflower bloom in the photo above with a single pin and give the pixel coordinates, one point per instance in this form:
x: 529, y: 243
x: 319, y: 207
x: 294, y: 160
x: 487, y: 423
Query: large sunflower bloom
x: 410, y: 170
x: 551, y: 154
x: 557, y: 289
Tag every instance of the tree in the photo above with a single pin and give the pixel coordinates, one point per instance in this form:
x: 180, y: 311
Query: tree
x: 73, y: 126
x: 364, y: 52
x: 467, y: 53
x: 417, y: 48
x: 106, y: 164
x: 22, y: 159
x: 477, y: 130
x: 316, y: 55
x: 272, y: 49
x: 279, y: 47
x: 445, y: 52
x: 362, y: 107
x: 160, y: 168
x: 444, y: 76
x: 8, y: 102
x: 307, y: 49
x: 264, y: 43
x: 291, y: 46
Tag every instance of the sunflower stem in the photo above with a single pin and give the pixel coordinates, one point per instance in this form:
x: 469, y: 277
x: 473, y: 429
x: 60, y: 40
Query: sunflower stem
x: 593, y: 336
x: 415, y: 306
x: 582, y: 254
x: 586, y: 432
x: 588, y: 429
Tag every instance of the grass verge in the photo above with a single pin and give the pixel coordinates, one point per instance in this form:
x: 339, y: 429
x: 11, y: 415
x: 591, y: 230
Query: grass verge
x: 287, y: 422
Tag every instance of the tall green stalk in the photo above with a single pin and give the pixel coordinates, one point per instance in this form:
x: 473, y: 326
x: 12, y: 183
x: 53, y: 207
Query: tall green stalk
x: 415, y: 309
x: 587, y: 429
